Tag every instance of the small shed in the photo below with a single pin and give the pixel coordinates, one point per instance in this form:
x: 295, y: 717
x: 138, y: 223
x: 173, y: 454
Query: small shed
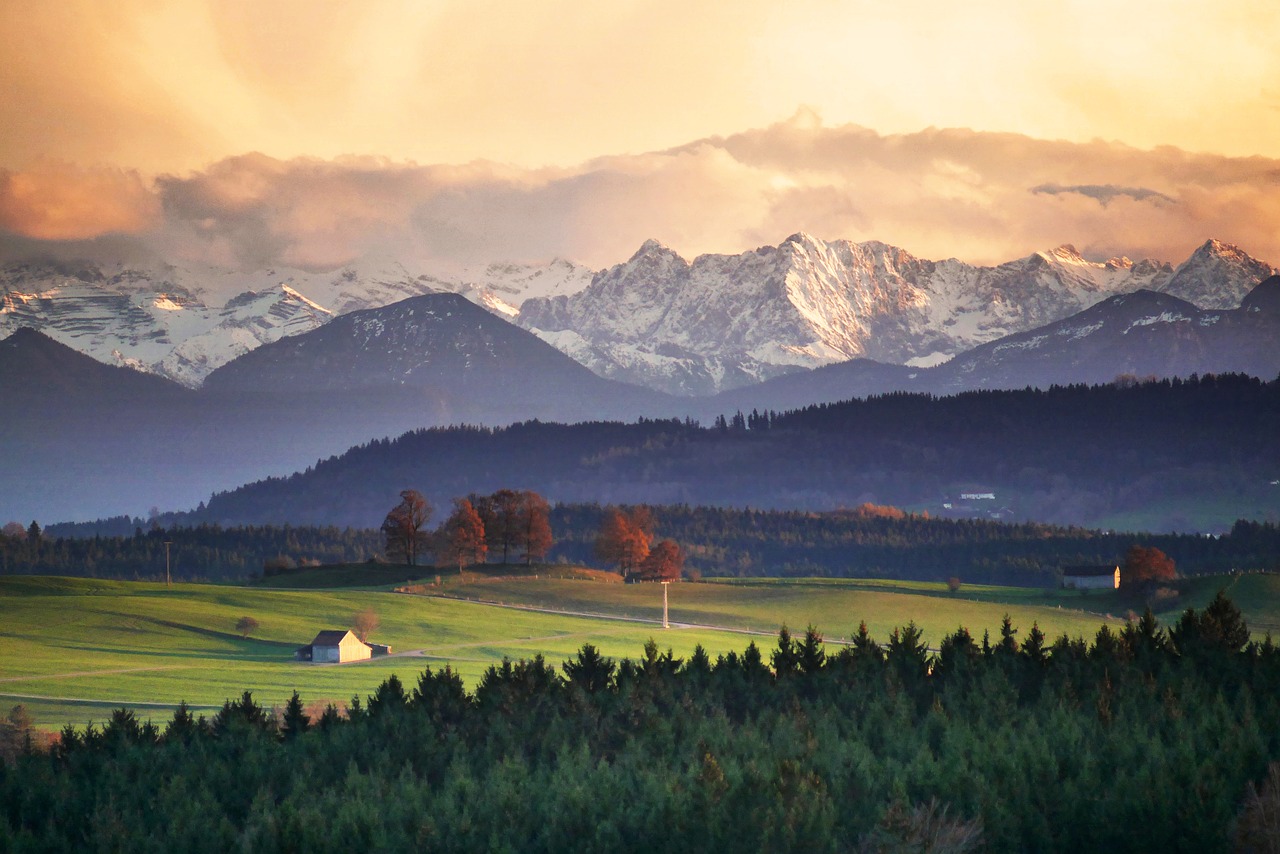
x: 1091, y: 577
x: 335, y: 646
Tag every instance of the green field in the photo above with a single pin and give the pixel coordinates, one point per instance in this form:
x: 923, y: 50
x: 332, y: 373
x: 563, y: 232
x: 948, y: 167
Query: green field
x: 76, y: 648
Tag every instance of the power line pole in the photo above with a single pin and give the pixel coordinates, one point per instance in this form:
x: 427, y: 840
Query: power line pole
x: 665, y: 623
x: 168, y: 580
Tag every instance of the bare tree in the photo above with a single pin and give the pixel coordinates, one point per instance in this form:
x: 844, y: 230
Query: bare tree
x: 365, y: 623
x: 404, y: 528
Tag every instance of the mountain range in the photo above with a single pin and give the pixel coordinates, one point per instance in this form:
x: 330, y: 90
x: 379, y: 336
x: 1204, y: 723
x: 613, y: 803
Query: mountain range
x: 1137, y: 336
x: 442, y: 358
x: 723, y: 321
x: 184, y: 321
x: 657, y: 320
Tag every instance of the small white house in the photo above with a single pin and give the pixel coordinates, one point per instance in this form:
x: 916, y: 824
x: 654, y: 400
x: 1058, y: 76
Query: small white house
x: 1091, y: 577
x: 334, y: 646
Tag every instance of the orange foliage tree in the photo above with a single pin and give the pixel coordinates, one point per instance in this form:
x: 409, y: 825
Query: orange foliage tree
x: 1147, y: 564
x: 462, y: 535
x: 664, y: 563
x: 624, y: 538
x: 534, y: 527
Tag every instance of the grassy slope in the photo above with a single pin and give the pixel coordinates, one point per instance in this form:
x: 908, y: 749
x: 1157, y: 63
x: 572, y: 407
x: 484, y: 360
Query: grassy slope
x: 137, y: 643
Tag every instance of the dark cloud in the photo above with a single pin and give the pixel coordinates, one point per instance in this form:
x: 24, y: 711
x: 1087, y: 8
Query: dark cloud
x: 1104, y: 193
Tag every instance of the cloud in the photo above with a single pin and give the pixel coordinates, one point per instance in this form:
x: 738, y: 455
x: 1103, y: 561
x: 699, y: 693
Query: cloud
x: 58, y: 201
x: 1103, y: 193
x: 981, y: 197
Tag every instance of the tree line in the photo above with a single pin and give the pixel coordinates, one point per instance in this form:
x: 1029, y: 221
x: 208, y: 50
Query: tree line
x: 203, y: 552
x: 862, y: 542
x: 1147, y: 738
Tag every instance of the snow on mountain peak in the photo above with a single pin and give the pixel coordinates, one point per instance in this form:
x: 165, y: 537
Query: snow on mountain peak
x: 1066, y: 252
x: 1218, y: 275
x: 675, y: 325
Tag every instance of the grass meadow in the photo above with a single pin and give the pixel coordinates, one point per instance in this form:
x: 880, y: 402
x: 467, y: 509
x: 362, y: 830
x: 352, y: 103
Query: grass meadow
x: 73, y: 649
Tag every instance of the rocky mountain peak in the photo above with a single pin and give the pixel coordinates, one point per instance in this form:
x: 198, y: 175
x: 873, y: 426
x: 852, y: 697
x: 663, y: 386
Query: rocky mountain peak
x: 1218, y: 275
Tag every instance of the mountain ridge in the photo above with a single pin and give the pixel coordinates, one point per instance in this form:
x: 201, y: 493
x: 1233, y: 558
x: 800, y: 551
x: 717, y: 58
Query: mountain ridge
x: 719, y: 321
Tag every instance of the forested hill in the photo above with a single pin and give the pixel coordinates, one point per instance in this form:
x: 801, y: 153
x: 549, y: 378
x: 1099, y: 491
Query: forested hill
x: 1073, y: 455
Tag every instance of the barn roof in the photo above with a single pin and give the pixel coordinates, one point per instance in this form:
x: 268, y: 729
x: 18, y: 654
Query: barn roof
x: 1089, y: 571
x: 330, y: 637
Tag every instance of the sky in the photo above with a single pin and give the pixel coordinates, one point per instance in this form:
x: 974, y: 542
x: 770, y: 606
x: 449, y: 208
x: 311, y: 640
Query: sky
x: 311, y: 133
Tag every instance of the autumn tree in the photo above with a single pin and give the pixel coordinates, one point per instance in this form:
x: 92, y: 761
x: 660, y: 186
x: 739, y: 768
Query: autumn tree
x: 1147, y: 564
x: 664, y: 563
x: 462, y: 537
x: 246, y: 626
x: 485, y: 509
x: 405, y: 528
x: 364, y: 623
x: 534, y: 524
x: 624, y: 538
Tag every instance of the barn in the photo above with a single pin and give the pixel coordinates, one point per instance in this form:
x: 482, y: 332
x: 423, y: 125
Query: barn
x: 1091, y: 577
x: 334, y: 646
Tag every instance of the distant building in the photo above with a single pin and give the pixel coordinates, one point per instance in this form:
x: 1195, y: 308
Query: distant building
x: 1091, y: 577
x: 977, y: 496
x: 335, y: 646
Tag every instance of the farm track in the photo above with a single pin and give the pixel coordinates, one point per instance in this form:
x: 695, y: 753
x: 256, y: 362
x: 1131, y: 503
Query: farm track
x: 613, y: 617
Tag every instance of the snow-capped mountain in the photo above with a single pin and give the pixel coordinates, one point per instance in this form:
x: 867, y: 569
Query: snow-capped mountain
x: 435, y: 359
x: 1217, y: 275
x: 723, y: 321
x: 700, y: 327
x: 183, y: 322
x: 1142, y: 334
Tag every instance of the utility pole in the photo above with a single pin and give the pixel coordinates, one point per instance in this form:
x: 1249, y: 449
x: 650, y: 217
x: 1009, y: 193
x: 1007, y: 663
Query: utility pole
x: 168, y: 580
x: 665, y: 623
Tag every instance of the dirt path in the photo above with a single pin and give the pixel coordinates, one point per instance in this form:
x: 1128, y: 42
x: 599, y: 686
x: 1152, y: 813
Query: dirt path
x: 597, y: 616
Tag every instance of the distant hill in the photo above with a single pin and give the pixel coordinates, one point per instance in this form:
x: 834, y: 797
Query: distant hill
x: 85, y: 440
x: 1071, y: 454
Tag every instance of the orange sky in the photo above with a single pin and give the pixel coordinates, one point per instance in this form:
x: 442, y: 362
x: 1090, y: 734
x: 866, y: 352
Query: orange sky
x: 101, y: 99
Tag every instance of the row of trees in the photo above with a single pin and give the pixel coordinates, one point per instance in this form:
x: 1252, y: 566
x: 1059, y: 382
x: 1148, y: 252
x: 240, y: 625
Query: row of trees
x: 504, y: 523
x: 627, y: 540
x: 203, y: 552
x: 1145, y: 739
